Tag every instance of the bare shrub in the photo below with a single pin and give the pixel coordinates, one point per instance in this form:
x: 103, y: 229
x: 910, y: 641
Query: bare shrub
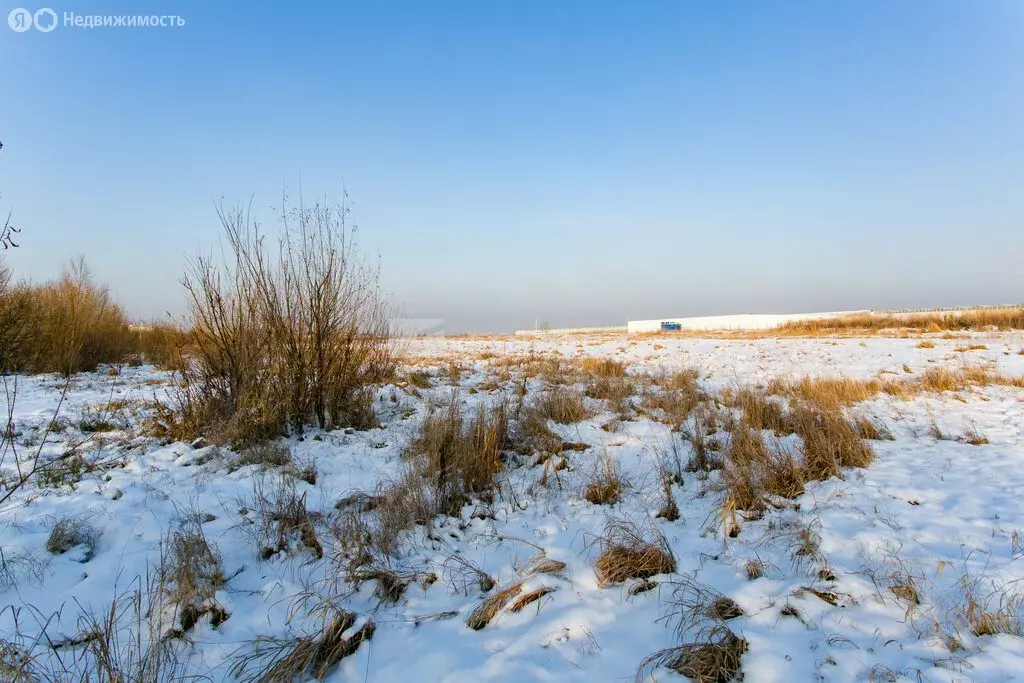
x: 624, y: 552
x: 69, y: 325
x: 283, y: 337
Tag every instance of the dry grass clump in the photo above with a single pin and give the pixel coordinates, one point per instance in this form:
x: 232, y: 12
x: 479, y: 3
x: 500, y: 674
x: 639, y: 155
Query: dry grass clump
x: 842, y: 391
x: 420, y: 379
x: 463, y: 453
x: 315, y: 655
x: 998, y: 612
x: 192, y: 570
x: 562, y: 404
x: 613, y: 389
x: 906, y: 588
x: 606, y: 484
x: 370, y: 526
x: 1002, y: 318
x: 957, y: 379
x: 755, y: 472
x: 926, y: 345
x: 830, y: 442
x: 282, y: 517
x: 697, y: 432
x: 603, y: 367
x: 872, y: 430
x: 972, y: 436
x: 272, y: 454
x: 669, y: 510
x: 625, y: 553
x: 713, y: 658
x: 760, y: 412
x: 754, y: 569
x: 673, y: 405
x: 489, y: 607
x: 530, y: 597
x: 971, y: 347
x: 70, y: 532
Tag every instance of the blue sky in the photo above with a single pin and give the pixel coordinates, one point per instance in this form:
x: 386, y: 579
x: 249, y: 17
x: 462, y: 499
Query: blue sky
x: 576, y: 162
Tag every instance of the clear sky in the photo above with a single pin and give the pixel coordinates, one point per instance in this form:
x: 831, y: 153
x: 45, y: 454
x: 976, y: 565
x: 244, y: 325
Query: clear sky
x: 576, y: 162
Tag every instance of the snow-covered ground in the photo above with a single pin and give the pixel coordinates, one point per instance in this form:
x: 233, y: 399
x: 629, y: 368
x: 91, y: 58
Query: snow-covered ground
x: 946, y: 514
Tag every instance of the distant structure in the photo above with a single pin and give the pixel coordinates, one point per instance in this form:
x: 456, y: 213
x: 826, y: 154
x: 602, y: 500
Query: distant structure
x: 746, y: 321
x: 417, y: 327
x: 743, y: 321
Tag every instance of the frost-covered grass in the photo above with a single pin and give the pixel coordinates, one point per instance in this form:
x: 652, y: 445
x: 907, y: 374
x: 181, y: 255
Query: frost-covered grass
x: 277, y: 562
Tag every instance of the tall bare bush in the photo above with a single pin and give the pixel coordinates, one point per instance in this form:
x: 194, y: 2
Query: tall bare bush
x: 69, y: 325
x: 284, y: 335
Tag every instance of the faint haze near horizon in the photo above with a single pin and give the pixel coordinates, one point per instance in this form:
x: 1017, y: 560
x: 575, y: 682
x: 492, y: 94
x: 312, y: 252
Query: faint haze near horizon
x: 576, y: 163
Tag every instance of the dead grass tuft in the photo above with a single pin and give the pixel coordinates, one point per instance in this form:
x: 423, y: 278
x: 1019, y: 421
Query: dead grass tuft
x: 313, y: 655
x: 528, y: 598
x: 603, y: 367
x: 282, y: 518
x: 830, y: 441
x: 839, y: 391
x: 71, y: 532
x: 489, y: 607
x: 713, y: 658
x: 463, y: 453
x: 191, y: 567
x: 760, y: 412
x: 957, y: 379
x: 606, y: 483
x: 754, y: 569
x: 754, y: 472
x: 625, y: 553
x: 1002, y: 318
x: 562, y: 404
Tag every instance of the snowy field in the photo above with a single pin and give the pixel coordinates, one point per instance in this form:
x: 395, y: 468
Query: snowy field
x: 884, y: 574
